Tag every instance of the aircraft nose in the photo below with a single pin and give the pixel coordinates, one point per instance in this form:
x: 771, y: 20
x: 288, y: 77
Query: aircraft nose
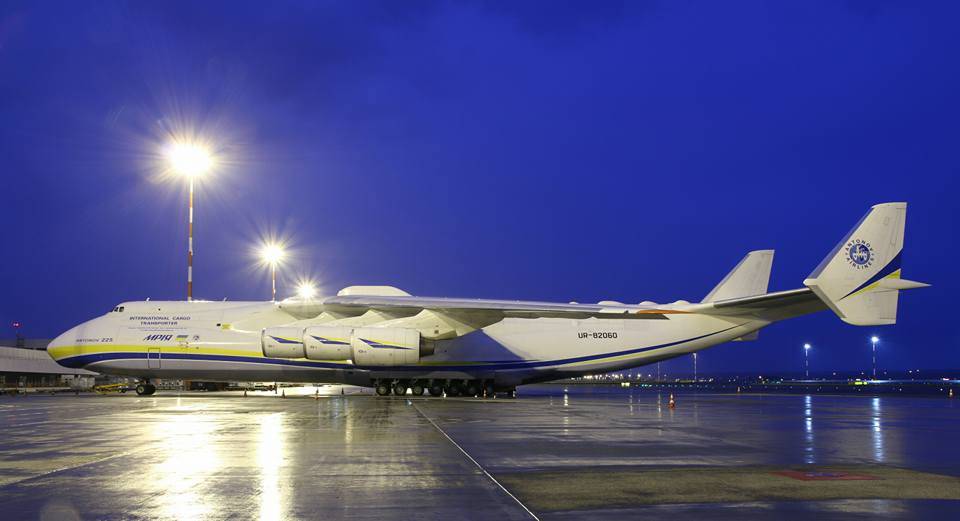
x: 58, y: 346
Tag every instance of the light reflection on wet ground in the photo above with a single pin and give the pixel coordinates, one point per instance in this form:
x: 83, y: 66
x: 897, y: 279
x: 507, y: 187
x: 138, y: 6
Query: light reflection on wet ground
x: 220, y: 455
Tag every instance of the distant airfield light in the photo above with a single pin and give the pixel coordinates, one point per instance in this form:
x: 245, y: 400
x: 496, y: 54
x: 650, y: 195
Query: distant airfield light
x: 874, y: 339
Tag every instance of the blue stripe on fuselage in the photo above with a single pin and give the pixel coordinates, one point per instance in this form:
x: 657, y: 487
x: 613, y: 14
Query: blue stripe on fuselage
x: 84, y: 360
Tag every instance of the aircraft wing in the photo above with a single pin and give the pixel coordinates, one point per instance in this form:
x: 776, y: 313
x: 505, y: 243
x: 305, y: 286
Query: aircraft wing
x: 507, y: 308
x: 439, y: 318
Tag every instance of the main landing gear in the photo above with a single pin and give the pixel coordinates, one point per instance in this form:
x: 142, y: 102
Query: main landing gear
x: 437, y: 388
x: 145, y: 388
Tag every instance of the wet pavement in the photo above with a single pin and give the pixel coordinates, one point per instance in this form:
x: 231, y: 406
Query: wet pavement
x: 589, y: 452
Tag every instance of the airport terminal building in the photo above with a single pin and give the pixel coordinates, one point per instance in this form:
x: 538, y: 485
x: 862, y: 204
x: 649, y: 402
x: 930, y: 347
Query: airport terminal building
x: 25, y: 365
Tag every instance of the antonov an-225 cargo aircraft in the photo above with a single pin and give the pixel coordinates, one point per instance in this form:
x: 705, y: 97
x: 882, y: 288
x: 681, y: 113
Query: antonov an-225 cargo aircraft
x: 382, y: 337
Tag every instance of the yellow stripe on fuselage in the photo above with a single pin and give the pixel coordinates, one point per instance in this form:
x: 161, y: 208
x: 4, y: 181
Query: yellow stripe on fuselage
x: 61, y: 352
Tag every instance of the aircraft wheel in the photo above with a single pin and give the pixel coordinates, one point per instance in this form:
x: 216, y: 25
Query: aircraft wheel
x: 417, y: 390
x: 436, y: 390
x: 400, y: 389
x: 472, y: 389
x: 383, y: 389
x: 146, y: 389
x: 455, y: 389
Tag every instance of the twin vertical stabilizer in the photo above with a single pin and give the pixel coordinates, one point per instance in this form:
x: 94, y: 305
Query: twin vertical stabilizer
x: 748, y: 278
x: 860, y: 279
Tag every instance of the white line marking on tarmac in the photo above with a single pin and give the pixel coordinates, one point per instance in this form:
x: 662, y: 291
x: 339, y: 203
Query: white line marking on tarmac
x: 475, y: 462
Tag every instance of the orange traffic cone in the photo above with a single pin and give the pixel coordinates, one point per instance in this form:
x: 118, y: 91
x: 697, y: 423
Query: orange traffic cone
x: 672, y: 403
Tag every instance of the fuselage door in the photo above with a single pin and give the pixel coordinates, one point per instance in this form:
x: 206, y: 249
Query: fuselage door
x: 153, y: 358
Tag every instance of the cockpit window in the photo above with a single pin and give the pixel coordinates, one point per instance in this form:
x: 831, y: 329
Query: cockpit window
x: 120, y: 309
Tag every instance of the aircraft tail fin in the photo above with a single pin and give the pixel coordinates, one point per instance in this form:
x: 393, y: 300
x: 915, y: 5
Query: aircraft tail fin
x: 860, y: 279
x: 748, y: 278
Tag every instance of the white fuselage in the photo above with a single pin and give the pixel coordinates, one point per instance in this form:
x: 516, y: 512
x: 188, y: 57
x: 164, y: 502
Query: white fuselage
x: 221, y: 341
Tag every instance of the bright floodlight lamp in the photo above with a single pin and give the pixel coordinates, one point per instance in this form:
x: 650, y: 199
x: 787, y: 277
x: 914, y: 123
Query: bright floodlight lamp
x: 306, y: 290
x: 190, y: 161
x: 272, y: 254
x: 874, y: 339
x: 806, y: 346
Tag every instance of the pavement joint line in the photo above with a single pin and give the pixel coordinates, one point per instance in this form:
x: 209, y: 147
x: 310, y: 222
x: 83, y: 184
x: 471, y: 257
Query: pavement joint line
x: 72, y: 467
x: 475, y: 462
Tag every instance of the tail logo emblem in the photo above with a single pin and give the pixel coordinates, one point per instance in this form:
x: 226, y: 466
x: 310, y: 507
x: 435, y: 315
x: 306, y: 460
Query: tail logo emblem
x: 860, y: 254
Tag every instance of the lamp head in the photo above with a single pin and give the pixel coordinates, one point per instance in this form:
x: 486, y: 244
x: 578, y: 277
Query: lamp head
x: 188, y: 159
x: 306, y: 290
x: 272, y: 254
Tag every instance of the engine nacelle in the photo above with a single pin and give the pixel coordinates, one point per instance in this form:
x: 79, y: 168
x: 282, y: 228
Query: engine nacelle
x: 385, y: 346
x: 282, y: 342
x: 328, y: 343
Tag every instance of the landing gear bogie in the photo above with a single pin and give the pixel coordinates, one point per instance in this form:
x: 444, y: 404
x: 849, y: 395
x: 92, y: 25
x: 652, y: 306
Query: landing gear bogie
x: 145, y: 389
x: 437, y: 388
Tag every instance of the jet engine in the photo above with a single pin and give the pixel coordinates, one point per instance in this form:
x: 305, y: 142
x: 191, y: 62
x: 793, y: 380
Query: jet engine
x: 328, y: 343
x: 379, y: 346
x: 385, y: 346
x: 282, y: 342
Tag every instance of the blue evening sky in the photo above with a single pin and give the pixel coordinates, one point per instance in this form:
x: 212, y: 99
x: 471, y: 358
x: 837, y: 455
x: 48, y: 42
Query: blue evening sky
x: 549, y: 150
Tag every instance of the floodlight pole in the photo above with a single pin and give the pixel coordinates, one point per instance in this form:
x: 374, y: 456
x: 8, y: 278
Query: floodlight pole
x: 874, y: 342
x: 190, y: 246
x: 273, y: 281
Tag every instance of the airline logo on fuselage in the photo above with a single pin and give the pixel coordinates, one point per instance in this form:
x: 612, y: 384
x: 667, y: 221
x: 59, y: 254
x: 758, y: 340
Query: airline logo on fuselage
x: 158, y: 338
